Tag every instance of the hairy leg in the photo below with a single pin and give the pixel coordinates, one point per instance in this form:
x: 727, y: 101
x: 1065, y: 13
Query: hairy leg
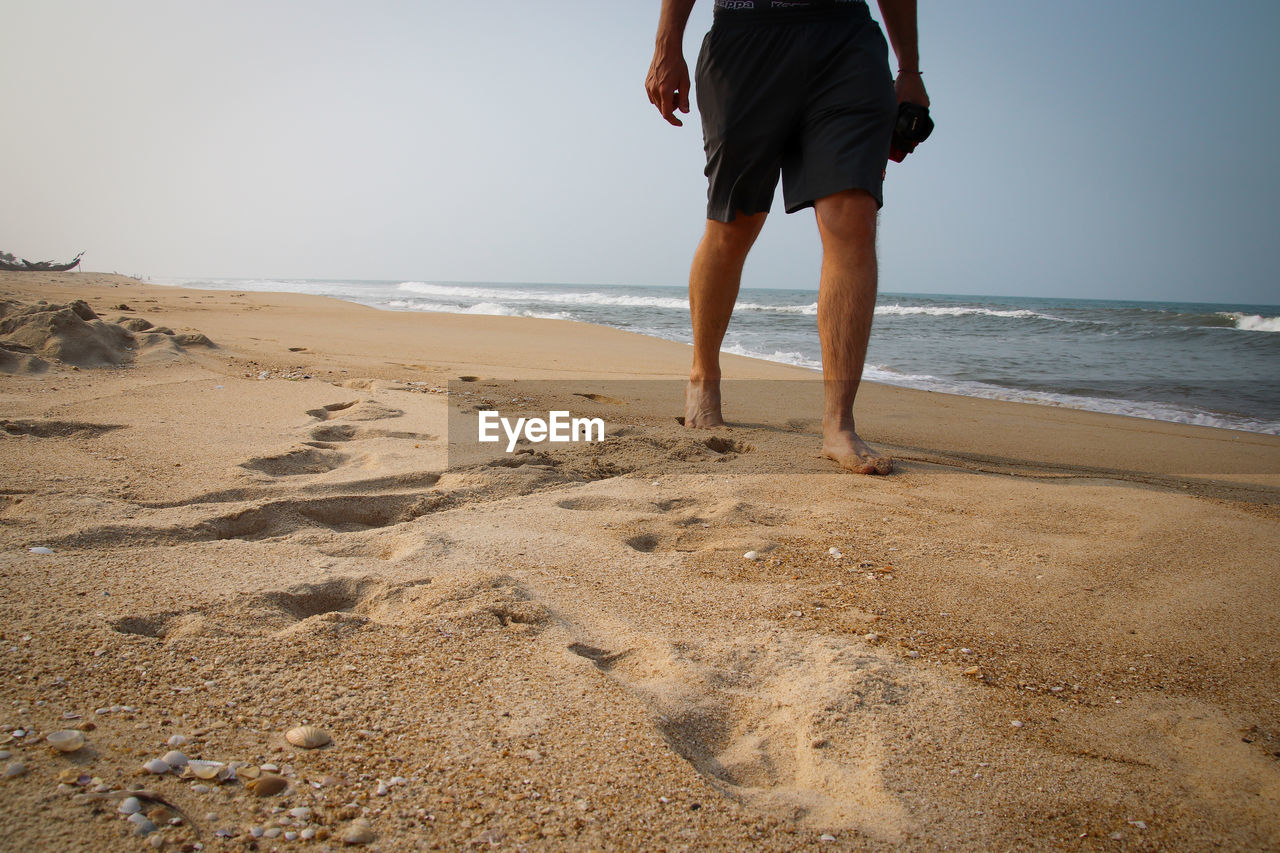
x: 713, y: 289
x: 846, y: 304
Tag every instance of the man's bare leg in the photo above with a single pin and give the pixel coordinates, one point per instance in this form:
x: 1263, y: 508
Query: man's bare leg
x: 713, y: 289
x: 846, y: 304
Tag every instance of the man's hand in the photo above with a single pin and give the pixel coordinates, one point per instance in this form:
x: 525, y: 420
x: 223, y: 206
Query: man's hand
x: 910, y: 89
x: 668, y: 82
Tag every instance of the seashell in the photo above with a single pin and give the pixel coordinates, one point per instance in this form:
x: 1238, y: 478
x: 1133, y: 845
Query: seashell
x: 177, y: 741
x: 358, y: 833
x: 40, y: 549
x: 67, y: 740
x: 301, y: 813
x: 204, y: 769
x: 174, y: 759
x: 248, y: 771
x: 16, y: 768
x: 271, y: 768
x: 157, y: 766
x: 307, y: 737
x: 129, y: 805
x: 751, y: 555
x: 267, y: 785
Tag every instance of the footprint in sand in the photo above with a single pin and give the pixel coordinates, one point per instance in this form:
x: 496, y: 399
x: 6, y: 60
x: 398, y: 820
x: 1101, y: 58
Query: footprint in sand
x: 336, y: 608
x: 55, y: 429
x: 356, y: 410
x: 787, y: 725
x: 294, y: 463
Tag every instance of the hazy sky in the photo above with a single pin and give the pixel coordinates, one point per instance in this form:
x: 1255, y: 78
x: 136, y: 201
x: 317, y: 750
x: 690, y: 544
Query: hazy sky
x: 1083, y: 148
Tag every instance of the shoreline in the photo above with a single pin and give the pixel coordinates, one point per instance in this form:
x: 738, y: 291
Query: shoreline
x: 1169, y: 410
x: 1048, y: 628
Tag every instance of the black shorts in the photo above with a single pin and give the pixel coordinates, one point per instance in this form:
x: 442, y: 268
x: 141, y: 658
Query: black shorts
x: 804, y: 92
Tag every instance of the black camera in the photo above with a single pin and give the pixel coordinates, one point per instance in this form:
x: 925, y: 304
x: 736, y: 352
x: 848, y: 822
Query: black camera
x: 913, y: 127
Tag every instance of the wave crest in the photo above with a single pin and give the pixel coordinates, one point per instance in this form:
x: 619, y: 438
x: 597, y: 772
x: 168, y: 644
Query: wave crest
x: 1252, y: 322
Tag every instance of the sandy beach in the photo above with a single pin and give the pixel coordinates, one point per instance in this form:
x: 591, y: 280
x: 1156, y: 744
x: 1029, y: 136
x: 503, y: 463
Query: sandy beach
x: 1048, y: 629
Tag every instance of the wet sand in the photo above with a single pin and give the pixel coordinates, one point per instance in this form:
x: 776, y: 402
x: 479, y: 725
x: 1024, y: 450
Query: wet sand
x: 1048, y: 629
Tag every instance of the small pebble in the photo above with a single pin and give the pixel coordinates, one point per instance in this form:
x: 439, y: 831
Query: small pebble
x: 273, y: 832
x: 291, y: 836
x: 307, y: 833
x: 382, y: 789
x: 157, y: 766
x: 17, y: 768
x: 826, y: 838
x: 156, y: 841
x: 751, y: 555
x: 255, y: 831
x: 1017, y: 724
x: 4, y: 754
x: 871, y: 638
x: 200, y: 789
x: 40, y: 549
x: 835, y: 552
x: 301, y: 813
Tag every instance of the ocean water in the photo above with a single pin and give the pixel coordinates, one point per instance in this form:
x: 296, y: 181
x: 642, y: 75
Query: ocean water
x: 1198, y: 363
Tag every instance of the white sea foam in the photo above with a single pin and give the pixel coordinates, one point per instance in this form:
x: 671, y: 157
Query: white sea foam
x: 810, y: 309
x: 492, y: 309
x: 505, y: 294
x: 1133, y: 408
x: 796, y: 358
x: 960, y: 311
x: 1253, y: 322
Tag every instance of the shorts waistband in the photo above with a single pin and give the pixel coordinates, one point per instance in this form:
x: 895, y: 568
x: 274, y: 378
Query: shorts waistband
x: 763, y: 12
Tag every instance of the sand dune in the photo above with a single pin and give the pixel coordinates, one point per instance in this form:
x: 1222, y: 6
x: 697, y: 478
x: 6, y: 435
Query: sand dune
x: 1049, y: 629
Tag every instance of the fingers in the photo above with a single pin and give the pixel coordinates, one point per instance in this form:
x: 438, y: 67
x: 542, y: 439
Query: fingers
x: 668, y: 92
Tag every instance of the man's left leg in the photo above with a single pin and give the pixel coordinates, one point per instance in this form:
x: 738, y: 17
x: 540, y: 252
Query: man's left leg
x: 846, y: 304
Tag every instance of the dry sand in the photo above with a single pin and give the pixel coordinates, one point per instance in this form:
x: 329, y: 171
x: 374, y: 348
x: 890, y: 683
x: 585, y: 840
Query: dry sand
x: 1049, y: 629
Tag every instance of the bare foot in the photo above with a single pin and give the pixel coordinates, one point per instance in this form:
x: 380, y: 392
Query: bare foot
x: 702, y: 404
x: 846, y: 448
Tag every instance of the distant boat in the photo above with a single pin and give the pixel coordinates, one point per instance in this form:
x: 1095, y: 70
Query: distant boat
x: 9, y: 263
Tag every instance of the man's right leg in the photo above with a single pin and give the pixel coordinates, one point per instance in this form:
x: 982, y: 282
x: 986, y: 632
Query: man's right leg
x: 713, y: 289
